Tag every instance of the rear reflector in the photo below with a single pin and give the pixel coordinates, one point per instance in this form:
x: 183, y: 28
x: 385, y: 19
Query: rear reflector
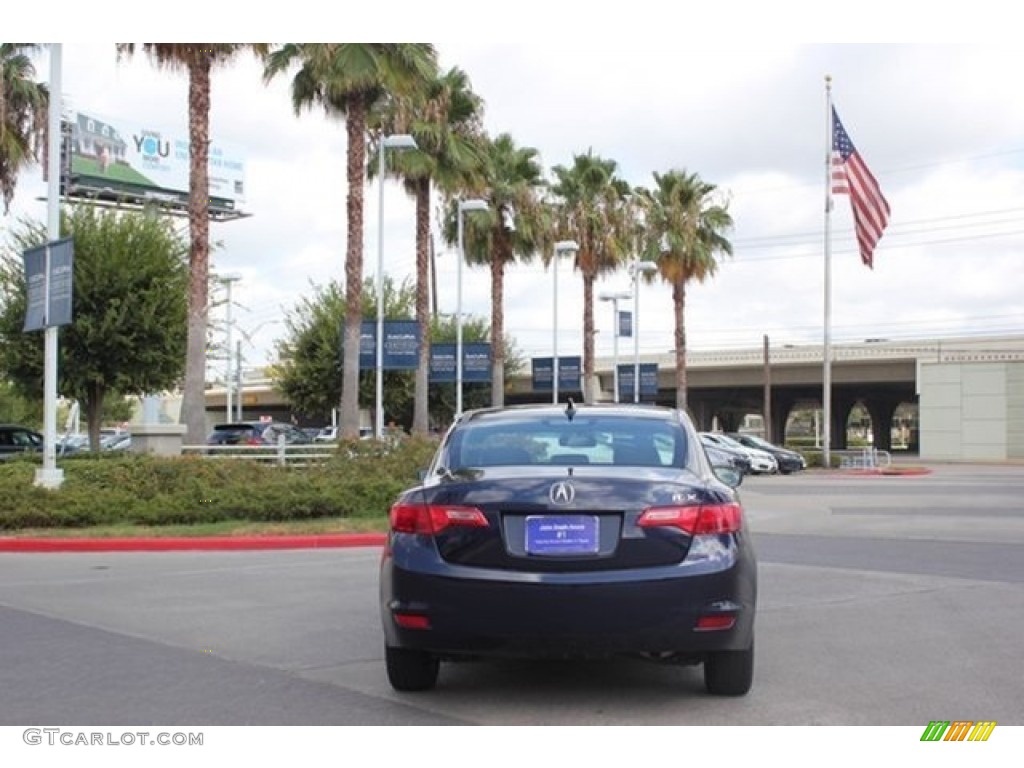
x: 715, y: 621
x: 433, y: 518
x: 412, y: 621
x: 711, y: 518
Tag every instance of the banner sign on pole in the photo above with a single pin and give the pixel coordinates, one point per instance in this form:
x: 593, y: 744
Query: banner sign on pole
x: 648, y: 381
x: 625, y: 323
x: 476, y: 362
x: 569, y: 373
x: 39, y: 312
x: 401, y: 345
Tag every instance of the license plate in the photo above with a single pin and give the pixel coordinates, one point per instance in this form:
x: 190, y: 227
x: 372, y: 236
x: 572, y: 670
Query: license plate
x: 562, y: 535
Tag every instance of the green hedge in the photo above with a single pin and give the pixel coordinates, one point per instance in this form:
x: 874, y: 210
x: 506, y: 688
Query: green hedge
x: 361, y: 480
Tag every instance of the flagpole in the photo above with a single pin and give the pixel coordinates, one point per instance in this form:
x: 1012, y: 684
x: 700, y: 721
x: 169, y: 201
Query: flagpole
x: 826, y: 395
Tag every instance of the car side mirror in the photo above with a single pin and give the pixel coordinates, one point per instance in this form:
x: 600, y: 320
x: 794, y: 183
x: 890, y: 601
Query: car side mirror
x: 728, y: 475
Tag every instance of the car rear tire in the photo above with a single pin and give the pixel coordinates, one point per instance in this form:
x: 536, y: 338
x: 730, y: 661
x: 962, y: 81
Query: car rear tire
x: 729, y: 673
x: 411, y: 670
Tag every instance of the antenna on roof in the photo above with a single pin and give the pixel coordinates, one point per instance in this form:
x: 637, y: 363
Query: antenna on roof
x: 570, y: 411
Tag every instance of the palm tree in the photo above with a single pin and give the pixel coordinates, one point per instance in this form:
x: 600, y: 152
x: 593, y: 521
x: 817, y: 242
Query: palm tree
x: 348, y: 79
x: 592, y: 209
x: 514, y: 226
x: 24, y: 105
x: 446, y: 121
x: 685, y: 224
x: 198, y: 60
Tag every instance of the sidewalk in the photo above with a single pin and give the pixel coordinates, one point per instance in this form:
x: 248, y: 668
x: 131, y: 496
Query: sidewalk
x: 185, y: 543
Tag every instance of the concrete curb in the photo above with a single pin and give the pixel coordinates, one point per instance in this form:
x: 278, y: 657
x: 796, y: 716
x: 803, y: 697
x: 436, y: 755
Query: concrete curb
x: 185, y: 543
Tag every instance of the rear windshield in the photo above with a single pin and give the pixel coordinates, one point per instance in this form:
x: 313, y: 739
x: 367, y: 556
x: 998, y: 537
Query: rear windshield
x: 595, y: 440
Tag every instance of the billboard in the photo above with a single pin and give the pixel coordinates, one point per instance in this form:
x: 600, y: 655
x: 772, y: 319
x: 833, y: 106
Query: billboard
x: 122, y: 155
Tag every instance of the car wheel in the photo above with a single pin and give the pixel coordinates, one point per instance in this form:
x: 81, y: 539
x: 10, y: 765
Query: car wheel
x: 729, y: 673
x: 411, y: 670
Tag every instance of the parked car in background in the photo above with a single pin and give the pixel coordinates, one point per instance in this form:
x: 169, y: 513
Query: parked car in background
x: 257, y: 433
x: 15, y: 440
x: 721, y: 458
x: 789, y: 461
x: 719, y: 454
x: 761, y: 462
x: 561, y: 532
x: 330, y: 434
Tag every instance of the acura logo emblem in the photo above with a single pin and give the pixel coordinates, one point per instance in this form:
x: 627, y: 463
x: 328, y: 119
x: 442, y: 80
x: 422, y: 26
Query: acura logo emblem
x: 562, y: 494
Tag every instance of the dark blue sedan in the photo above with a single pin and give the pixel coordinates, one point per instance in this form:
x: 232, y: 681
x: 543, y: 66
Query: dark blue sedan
x: 570, y: 532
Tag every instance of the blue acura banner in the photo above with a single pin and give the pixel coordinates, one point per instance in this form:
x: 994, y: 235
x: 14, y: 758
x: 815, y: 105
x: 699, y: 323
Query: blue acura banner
x: 49, y: 296
x: 648, y: 381
x: 401, y: 345
x: 476, y: 362
x: 569, y: 371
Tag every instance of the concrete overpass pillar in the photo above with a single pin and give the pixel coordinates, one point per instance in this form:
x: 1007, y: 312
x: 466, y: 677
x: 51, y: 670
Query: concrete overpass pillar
x: 881, y: 411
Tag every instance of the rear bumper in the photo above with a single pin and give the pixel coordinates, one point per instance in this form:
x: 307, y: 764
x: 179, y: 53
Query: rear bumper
x: 544, y: 617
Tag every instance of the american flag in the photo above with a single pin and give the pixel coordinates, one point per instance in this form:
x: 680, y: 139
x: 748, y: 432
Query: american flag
x: 850, y: 176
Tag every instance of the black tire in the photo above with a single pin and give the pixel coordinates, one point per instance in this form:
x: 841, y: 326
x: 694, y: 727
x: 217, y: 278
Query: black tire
x: 411, y: 670
x: 729, y: 673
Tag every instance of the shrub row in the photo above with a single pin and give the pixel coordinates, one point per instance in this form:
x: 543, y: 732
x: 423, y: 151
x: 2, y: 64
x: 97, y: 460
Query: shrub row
x: 361, y: 480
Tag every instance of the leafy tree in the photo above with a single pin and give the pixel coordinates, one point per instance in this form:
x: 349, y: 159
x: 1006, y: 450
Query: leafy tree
x: 474, y: 394
x: 592, y: 209
x: 514, y: 226
x: 198, y: 60
x: 15, y: 408
x: 312, y: 353
x: 129, y: 302
x: 24, y: 106
x: 348, y: 79
x: 445, y: 119
x: 685, y: 226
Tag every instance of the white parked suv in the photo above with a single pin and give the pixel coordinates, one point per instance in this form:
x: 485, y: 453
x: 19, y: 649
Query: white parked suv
x: 761, y: 462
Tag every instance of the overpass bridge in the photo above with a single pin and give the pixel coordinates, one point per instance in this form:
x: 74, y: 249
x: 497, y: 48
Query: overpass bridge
x: 727, y: 385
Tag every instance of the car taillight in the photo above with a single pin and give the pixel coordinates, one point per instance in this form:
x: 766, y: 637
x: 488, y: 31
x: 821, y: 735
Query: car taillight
x: 709, y: 518
x: 433, y: 518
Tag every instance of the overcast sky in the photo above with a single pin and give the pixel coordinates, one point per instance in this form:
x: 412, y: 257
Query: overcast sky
x: 940, y: 125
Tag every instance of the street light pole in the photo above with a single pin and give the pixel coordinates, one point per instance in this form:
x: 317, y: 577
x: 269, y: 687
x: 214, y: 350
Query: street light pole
x: 228, y: 384
x: 614, y: 299
x: 464, y: 206
x: 562, y: 246
x: 636, y: 268
x: 396, y: 141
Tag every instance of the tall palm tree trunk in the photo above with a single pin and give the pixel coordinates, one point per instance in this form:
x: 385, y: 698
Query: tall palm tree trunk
x: 679, y: 309
x: 589, y: 383
x: 193, y: 404
x: 421, y: 412
x: 498, y: 327
x: 356, y: 130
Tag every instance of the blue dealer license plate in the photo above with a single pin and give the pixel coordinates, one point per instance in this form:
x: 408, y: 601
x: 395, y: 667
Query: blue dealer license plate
x: 562, y: 535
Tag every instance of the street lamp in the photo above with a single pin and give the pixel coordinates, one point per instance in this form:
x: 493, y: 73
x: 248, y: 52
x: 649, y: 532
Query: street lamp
x: 464, y: 206
x: 397, y: 141
x: 637, y: 268
x: 562, y: 246
x: 614, y: 298
x: 228, y: 279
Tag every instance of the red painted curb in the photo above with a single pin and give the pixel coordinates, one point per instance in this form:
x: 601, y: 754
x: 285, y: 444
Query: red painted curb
x: 180, y: 543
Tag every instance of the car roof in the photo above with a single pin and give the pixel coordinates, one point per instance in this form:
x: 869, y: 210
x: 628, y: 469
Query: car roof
x: 551, y: 410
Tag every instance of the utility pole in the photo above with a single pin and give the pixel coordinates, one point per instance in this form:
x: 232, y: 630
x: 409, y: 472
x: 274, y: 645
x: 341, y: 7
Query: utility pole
x: 767, y: 391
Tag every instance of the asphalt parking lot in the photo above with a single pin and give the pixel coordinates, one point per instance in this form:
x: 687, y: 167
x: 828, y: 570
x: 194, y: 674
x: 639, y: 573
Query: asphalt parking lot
x: 884, y: 601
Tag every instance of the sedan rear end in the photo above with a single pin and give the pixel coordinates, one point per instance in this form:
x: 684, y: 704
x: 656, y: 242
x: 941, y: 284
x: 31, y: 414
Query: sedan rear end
x: 542, y: 534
